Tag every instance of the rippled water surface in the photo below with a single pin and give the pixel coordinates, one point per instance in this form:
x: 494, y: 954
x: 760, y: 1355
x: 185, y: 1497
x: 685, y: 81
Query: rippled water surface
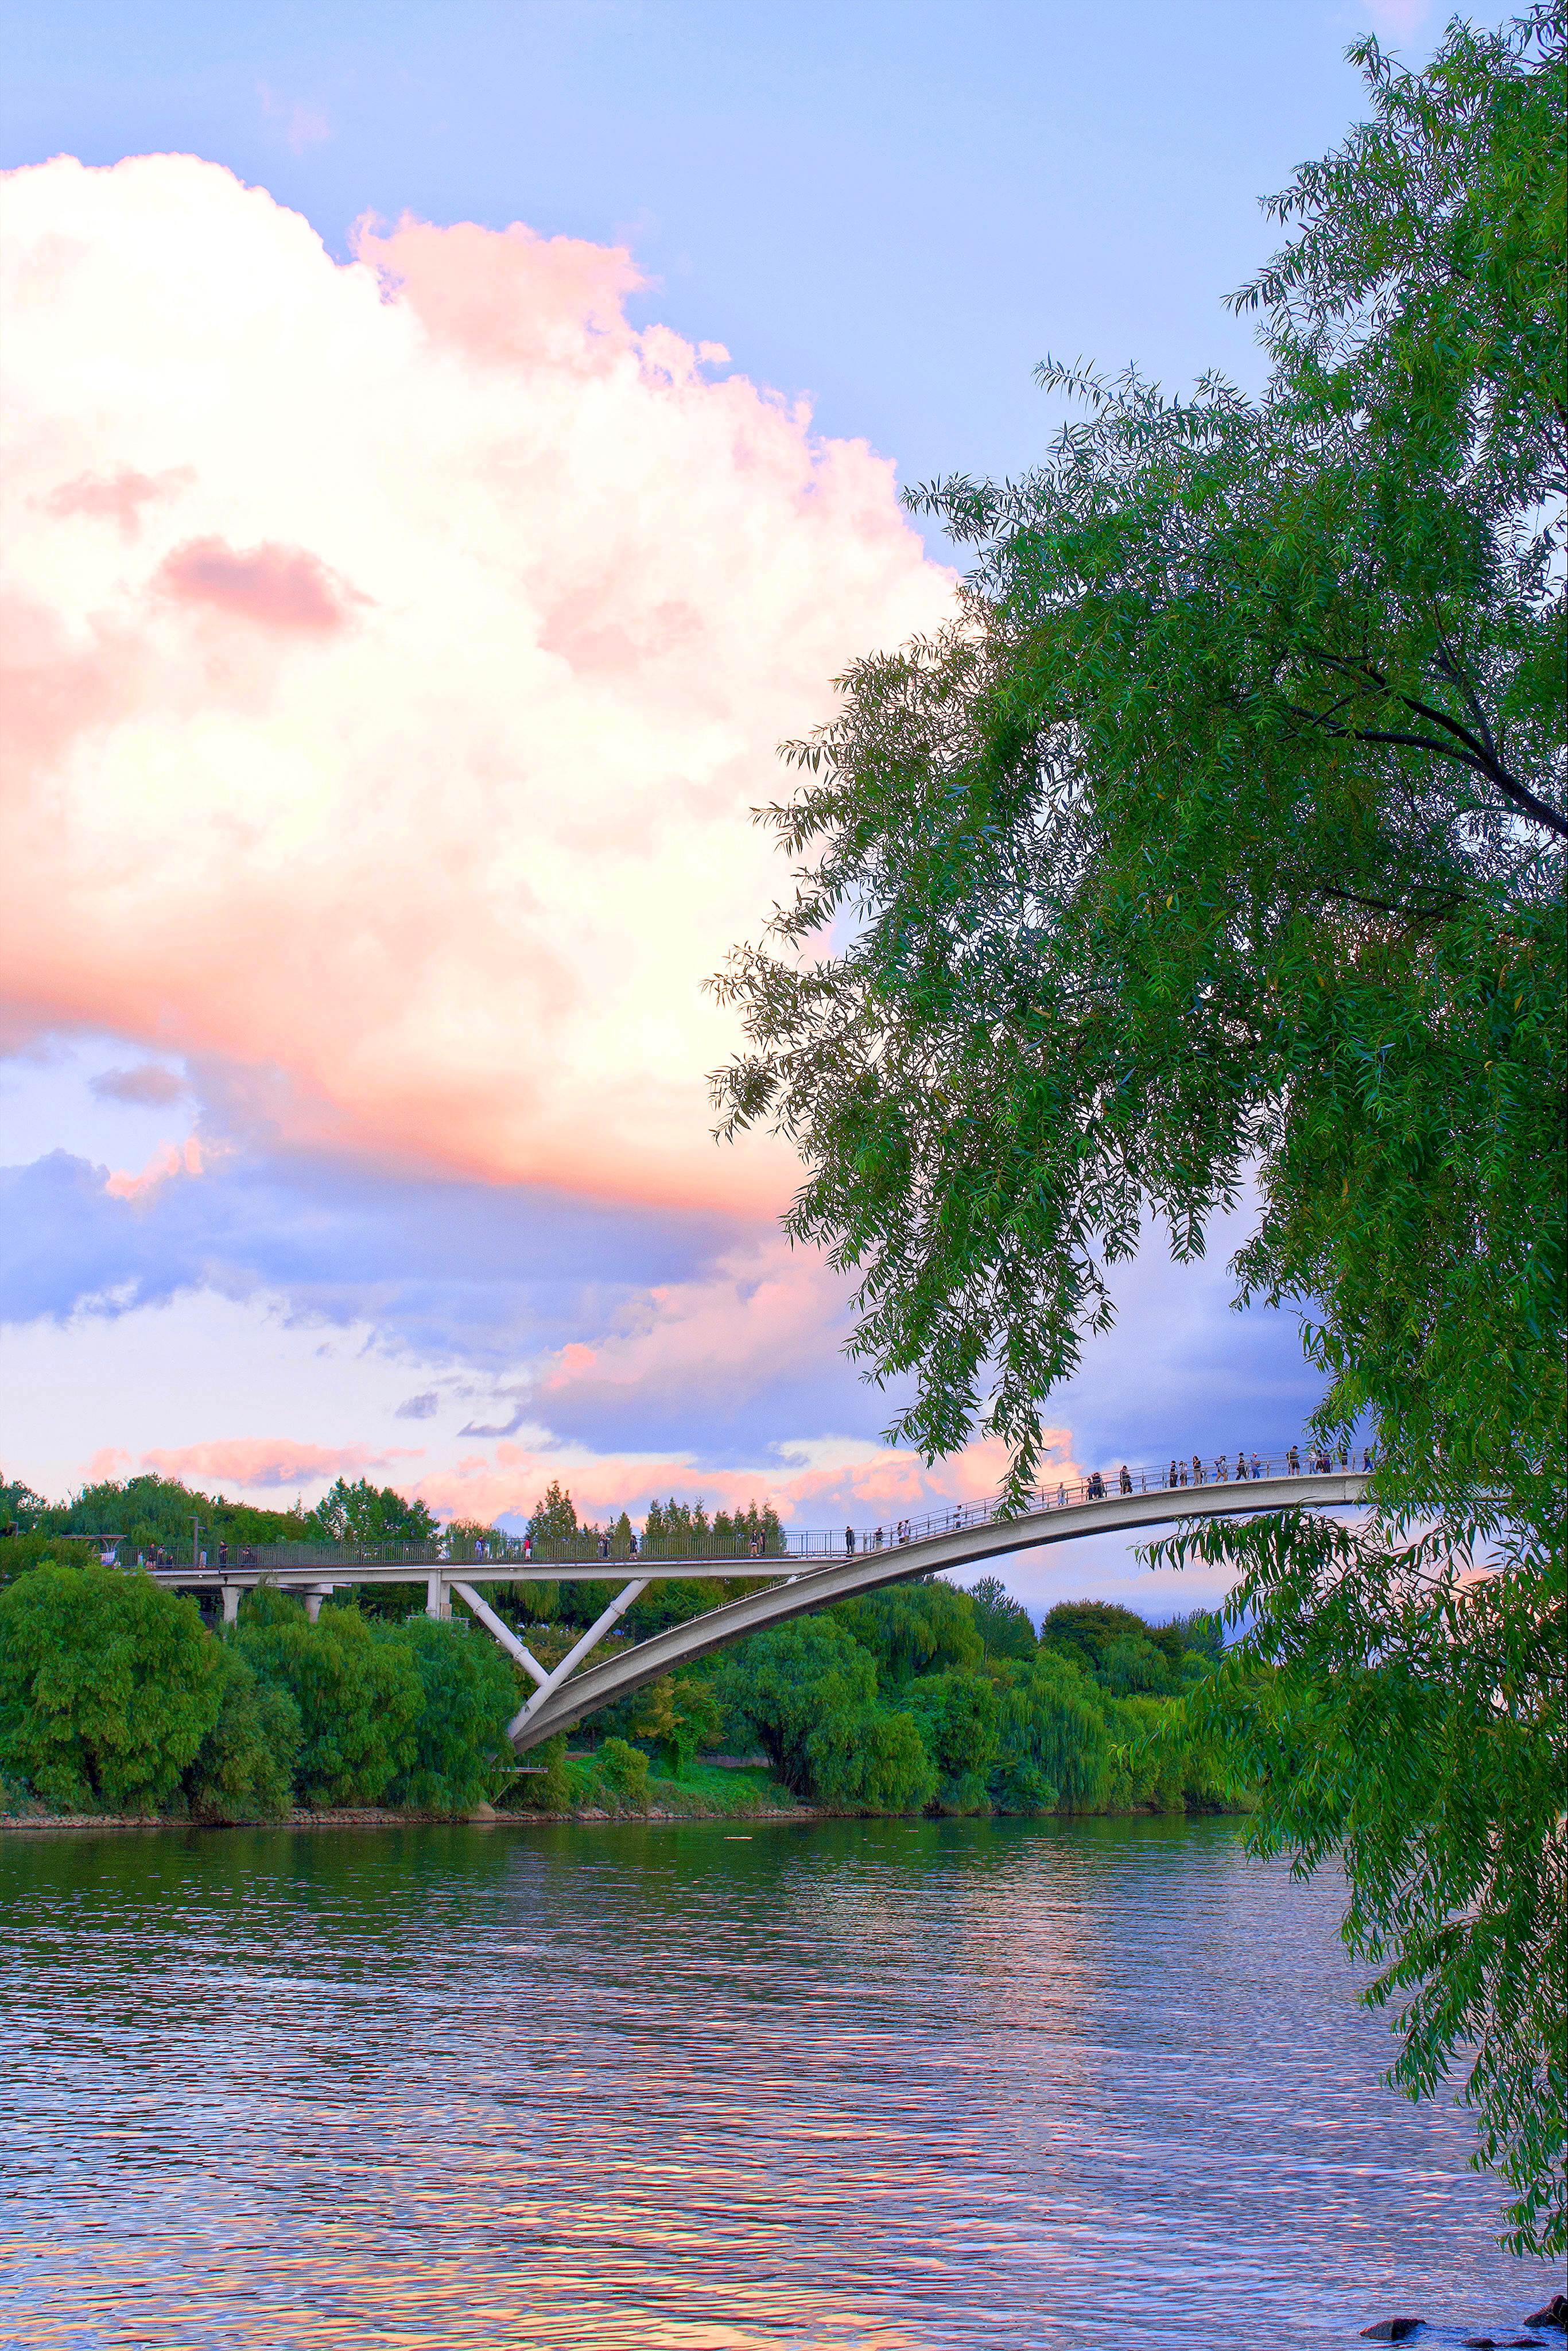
x: 866, y: 2085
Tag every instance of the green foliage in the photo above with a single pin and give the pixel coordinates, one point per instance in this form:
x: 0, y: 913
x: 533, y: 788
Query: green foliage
x: 783, y: 1688
x: 553, y: 1525
x: 546, y: 1787
x: 1003, y: 1623
x: 109, y: 1685
x: 1053, y: 1747
x: 1128, y: 1665
x: 243, y: 1768
x: 20, y: 1552
x: 1219, y: 844
x: 681, y: 1713
x: 1200, y: 1635
x: 20, y: 1508
x: 683, y: 1531
x: 957, y: 1715
x: 356, y: 1686
x: 469, y: 1694
x: 1085, y: 1629
x: 363, y: 1513
x: 871, y: 1759
x: 915, y: 1628
x: 1224, y: 833
x: 153, y: 1515
x: 624, y: 1772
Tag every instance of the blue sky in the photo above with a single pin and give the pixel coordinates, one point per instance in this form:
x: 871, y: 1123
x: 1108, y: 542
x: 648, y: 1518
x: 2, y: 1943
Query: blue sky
x: 891, y: 213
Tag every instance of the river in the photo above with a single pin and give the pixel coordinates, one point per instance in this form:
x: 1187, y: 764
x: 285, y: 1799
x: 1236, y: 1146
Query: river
x: 706, y: 2086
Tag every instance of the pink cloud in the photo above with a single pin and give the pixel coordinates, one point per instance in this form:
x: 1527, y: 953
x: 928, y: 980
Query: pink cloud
x: 304, y: 124
x: 862, y: 1484
x: 262, y: 1462
x: 280, y: 587
x: 169, y: 1159
x: 507, y: 297
x: 765, y: 1309
x: 443, y: 885
x: 118, y: 496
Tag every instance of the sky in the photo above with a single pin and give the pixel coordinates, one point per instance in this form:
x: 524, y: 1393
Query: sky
x: 446, y: 453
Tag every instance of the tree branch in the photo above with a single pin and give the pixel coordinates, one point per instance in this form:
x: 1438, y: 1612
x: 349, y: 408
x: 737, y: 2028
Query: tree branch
x: 1468, y: 750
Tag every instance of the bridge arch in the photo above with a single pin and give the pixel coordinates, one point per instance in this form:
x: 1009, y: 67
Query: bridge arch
x: 567, y: 1696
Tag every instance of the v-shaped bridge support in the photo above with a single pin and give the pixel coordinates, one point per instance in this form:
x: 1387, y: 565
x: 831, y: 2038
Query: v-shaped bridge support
x: 547, y: 1682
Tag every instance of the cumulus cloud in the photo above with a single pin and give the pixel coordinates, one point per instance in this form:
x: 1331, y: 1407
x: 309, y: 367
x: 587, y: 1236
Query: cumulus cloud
x: 394, y: 652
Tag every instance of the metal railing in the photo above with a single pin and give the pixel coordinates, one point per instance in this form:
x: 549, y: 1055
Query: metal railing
x: 737, y: 1559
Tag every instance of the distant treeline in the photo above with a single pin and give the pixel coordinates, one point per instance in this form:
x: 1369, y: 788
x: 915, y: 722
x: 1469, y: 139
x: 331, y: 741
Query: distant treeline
x: 161, y: 1519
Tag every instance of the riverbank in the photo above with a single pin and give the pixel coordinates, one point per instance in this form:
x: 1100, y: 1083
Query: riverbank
x: 723, y: 1789
x: 372, y: 1817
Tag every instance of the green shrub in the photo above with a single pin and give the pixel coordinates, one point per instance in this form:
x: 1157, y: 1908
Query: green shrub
x: 623, y: 1769
x: 547, y: 1787
x: 358, y: 1690
x: 870, y: 1758
x: 109, y: 1685
x: 1053, y: 1745
x: 468, y: 1694
x: 243, y: 1768
x: 20, y: 1552
x: 956, y: 1713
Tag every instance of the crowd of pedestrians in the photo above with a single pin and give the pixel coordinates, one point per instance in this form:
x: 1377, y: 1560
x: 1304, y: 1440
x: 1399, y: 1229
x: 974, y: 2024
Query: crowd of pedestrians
x: 1319, y: 1461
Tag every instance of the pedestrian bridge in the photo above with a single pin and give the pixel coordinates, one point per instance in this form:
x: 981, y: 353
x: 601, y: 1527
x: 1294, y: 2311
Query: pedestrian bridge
x: 809, y: 1576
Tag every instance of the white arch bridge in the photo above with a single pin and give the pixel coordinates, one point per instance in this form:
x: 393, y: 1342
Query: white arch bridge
x: 960, y: 1538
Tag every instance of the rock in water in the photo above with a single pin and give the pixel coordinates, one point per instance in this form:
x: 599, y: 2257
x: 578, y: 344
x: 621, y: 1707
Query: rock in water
x: 1554, y: 2314
x: 1390, y: 2330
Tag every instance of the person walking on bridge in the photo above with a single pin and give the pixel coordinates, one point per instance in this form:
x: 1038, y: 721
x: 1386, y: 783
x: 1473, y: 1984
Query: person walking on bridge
x: 1197, y: 1476
x: 1127, y: 1479
x: 848, y: 1543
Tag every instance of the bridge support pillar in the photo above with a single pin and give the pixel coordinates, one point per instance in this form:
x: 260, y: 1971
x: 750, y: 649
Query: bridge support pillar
x: 438, y: 1598
x: 314, y: 1595
x: 231, y: 1603
x: 595, y: 1632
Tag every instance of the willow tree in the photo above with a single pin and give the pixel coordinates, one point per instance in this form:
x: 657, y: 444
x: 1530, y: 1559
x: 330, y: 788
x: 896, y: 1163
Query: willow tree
x: 1214, y: 854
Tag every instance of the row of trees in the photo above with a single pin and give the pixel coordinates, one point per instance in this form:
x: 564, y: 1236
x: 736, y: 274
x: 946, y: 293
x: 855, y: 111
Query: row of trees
x: 115, y: 1696
x: 672, y: 1529
x: 151, y: 1514
x: 925, y: 1696
x: 160, y: 1515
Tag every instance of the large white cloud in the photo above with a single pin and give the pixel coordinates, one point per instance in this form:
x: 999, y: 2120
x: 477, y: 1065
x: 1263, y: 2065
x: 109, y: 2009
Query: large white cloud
x: 394, y: 652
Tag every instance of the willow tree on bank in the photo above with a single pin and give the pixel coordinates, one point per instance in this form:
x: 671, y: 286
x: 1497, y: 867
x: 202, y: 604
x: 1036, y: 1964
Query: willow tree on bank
x: 1215, y: 852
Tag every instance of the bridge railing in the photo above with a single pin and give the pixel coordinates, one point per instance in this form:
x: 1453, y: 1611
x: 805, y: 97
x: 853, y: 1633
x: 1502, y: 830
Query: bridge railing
x: 741, y: 1562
